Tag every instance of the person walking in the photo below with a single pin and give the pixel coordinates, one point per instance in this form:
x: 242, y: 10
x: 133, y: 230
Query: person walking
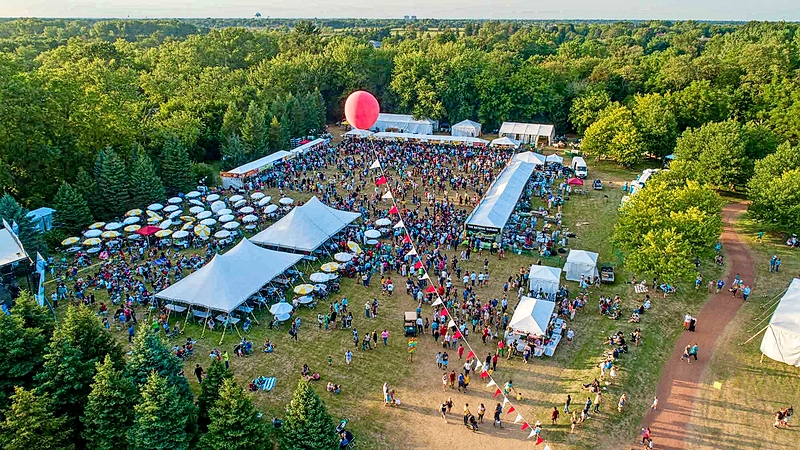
x: 227, y: 359
x: 654, y: 405
x: 385, y: 337
x: 623, y: 400
x: 597, y: 398
x: 198, y: 372
x: 566, y: 404
x: 498, y: 410
x: 745, y: 293
x: 131, y: 333
x: 467, y: 413
x: 481, y: 413
x: 686, y: 354
x: 443, y: 409
x: 348, y: 358
x: 554, y: 415
x: 693, y: 351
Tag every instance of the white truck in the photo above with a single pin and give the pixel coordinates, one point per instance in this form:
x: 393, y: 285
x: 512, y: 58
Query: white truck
x: 579, y: 167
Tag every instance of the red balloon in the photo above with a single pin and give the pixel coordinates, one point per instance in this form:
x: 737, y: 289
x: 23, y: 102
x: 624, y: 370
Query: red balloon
x: 361, y: 110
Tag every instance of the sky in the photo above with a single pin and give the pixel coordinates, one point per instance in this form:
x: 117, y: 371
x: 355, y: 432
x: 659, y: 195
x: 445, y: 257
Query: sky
x: 473, y: 9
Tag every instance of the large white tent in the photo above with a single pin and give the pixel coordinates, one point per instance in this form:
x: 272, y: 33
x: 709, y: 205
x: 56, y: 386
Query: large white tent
x: 359, y: 134
x: 581, y: 262
x: 306, y: 227
x: 466, y: 128
x: 472, y: 141
x: 528, y: 133
x: 496, y: 207
x: 545, y: 278
x: 504, y: 142
x: 314, y: 145
x: 781, y: 340
x: 229, y: 279
x: 530, y: 157
x: 532, y: 316
x: 404, y: 123
x: 235, y: 177
x: 11, y: 249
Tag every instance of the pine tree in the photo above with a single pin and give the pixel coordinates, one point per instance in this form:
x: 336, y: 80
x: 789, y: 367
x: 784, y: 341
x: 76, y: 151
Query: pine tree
x: 209, y: 391
x: 30, y: 424
x: 254, y: 133
x: 21, y: 355
x: 319, y: 109
x: 295, y: 110
x: 231, y: 121
x: 35, y: 316
x: 234, y: 421
x: 78, y: 344
x: 72, y: 210
x: 308, y: 425
x: 27, y: 232
x: 109, y: 411
x: 176, y: 168
x: 150, y: 354
x: 145, y: 186
x: 275, y: 135
x: 87, y: 187
x: 161, y: 418
x: 233, y: 152
x: 113, y: 198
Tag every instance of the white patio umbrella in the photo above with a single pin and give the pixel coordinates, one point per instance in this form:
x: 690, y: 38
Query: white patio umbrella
x: 247, y: 210
x: 134, y: 237
x: 193, y: 194
x: 372, y: 234
x: 257, y: 195
x: 281, y: 308
x: 110, y: 234
x: 131, y: 220
x: 212, y: 198
x: 154, y: 219
x: 175, y: 214
x: 384, y: 222
x: 222, y: 234
x: 231, y: 225
x: 171, y: 208
x: 196, y: 209
x: 208, y: 222
x: 162, y: 233
x: 132, y: 228
x: 264, y: 201
x: 319, y: 277
x: 175, y: 200
x: 97, y: 225
x: 372, y: 242
x: 240, y: 203
x: 223, y: 212
x: 217, y: 205
x: 165, y: 224
x: 235, y: 198
x: 93, y: 233
x: 111, y: 226
x: 197, y: 202
x: 250, y: 218
x: 270, y: 209
x: 343, y: 257
x: 155, y: 207
x: 226, y: 218
x: 134, y: 212
x: 286, y: 201
x: 203, y: 215
x: 180, y: 234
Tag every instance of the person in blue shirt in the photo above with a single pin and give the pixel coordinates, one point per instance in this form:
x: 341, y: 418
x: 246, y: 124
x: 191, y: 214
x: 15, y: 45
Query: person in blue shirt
x: 745, y: 293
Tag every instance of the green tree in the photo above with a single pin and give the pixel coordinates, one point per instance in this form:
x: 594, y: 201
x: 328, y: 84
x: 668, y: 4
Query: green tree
x: 113, y: 197
x: 614, y: 135
x: 109, y: 410
x: 35, y: 316
x: 72, y: 212
x: 774, y: 190
x: 30, y: 423
x: 586, y: 109
x: 233, y: 153
x: 275, y: 135
x: 86, y: 185
x: 27, y: 232
x: 21, y: 355
x: 176, y: 168
x: 145, y: 186
x: 656, y: 124
x: 715, y: 153
x: 150, y: 354
x: 254, y: 133
x: 663, y: 254
x: 234, y: 420
x: 308, y: 425
x: 161, y: 417
x: 209, y: 391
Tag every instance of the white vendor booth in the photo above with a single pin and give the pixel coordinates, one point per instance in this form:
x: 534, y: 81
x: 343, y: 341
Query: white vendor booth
x: 581, y: 263
x: 545, y: 278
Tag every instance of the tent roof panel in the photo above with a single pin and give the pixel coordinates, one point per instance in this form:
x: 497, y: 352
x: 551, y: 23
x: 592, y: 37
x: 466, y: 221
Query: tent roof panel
x: 545, y: 272
x: 429, y: 137
x: 11, y: 250
x: 532, y: 315
x: 528, y: 129
x: 497, y: 205
x: 582, y: 257
x: 257, y: 164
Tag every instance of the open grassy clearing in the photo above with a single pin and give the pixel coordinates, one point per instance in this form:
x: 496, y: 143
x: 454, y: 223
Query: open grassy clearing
x: 740, y: 415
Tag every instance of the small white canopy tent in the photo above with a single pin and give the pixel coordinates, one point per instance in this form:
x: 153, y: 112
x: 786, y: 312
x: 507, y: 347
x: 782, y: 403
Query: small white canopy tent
x: 581, y: 262
x: 504, y: 142
x: 359, y: 134
x: 781, y: 340
x: 229, y: 279
x: 43, y: 218
x: 545, y: 278
x: 528, y: 133
x: 466, y: 128
x: 531, y: 316
x: 554, y: 159
x: 530, y: 157
x: 404, y: 123
x: 306, y: 227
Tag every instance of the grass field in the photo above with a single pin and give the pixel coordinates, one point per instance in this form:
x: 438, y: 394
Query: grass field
x: 543, y: 383
x: 740, y: 415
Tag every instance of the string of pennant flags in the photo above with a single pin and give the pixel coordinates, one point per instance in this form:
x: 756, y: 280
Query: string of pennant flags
x: 383, y: 180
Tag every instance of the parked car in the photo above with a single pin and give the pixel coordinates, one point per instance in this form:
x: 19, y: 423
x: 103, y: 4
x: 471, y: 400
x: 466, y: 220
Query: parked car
x: 606, y: 274
x: 597, y: 185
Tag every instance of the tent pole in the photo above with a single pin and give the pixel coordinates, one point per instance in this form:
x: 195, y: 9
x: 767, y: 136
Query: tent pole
x: 186, y: 319
x: 753, y: 336
x: 237, y: 331
x: 205, y: 323
x: 224, y: 328
x: 254, y: 318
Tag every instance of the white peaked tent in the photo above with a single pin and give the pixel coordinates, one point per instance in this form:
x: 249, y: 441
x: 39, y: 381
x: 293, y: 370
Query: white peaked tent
x: 306, y: 227
x: 11, y: 250
x: 581, y: 262
x: 500, y: 200
x: 504, y: 142
x: 359, y: 134
x: 781, y: 340
x: 545, y: 278
x: 551, y: 159
x: 229, y: 279
x: 404, y: 123
x: 528, y: 133
x: 530, y: 157
x: 466, y: 128
x: 532, y: 315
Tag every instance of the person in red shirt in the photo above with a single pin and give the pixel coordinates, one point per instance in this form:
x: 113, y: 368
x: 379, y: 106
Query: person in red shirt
x: 460, y: 350
x: 494, y: 361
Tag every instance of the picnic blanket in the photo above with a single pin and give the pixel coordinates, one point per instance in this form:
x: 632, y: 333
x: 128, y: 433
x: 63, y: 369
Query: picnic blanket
x: 639, y: 289
x: 265, y: 383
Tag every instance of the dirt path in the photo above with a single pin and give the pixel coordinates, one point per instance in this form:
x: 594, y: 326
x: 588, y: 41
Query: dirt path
x: 680, y: 383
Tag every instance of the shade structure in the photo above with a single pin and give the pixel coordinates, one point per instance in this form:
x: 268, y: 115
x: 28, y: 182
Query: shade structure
x: 531, y: 316
x: 154, y: 219
x: 231, y: 225
x: 212, y: 197
x: 319, y: 277
x: 384, y: 222
x: 196, y: 202
x: 224, y: 212
x: 530, y: 157
x: 372, y: 234
x: 545, y: 278
x: 372, y: 242
x: 270, y: 209
x: 131, y: 220
x: 193, y: 194
x: 781, y: 340
x: 217, y: 206
x: 229, y: 279
x: 203, y: 215
x: 155, y: 207
x: 247, y: 210
x: 236, y: 177
x: 235, y: 198
x: 286, y: 201
x: 343, y: 257
x: 188, y: 226
x: 163, y: 233
x: 165, y: 224
x: 209, y: 222
x: 97, y: 225
x: 197, y: 209
x: 257, y: 195
x: 306, y: 227
x: 110, y: 234
x: 466, y: 128
x: 432, y: 138
x: 329, y: 267
x: 151, y: 213
x: 250, y: 218
x: 264, y: 201
x: 134, y: 237
x: 528, y: 133
x: 226, y: 218
x: 575, y: 182
x: 354, y: 247
x: 70, y: 241
x: 171, y: 208
x: 581, y: 263
x: 11, y: 249
x: 174, y: 200
x: 133, y: 212
x: 181, y: 234
x: 148, y: 230
x: 239, y: 203
x: 405, y: 123
x: 113, y: 226
x: 356, y: 133
x: 554, y: 159
x: 92, y: 233
x: 496, y: 206
x: 202, y: 230
x: 92, y: 241
x: 175, y: 214
x: 303, y: 289
x: 131, y: 228
x: 281, y: 308
x: 504, y: 142
x: 222, y: 234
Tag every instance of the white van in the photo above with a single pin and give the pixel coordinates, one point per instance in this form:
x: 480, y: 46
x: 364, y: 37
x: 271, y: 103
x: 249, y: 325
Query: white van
x: 579, y: 167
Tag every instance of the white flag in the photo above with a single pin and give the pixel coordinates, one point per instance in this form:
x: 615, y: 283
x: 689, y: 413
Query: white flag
x: 452, y: 323
x: 437, y: 302
x: 387, y: 195
x: 478, y: 365
x: 533, y: 431
x: 400, y: 225
x: 375, y: 165
x: 547, y: 447
x: 425, y: 276
x: 518, y: 419
x: 412, y: 252
x: 491, y: 383
x: 505, y: 401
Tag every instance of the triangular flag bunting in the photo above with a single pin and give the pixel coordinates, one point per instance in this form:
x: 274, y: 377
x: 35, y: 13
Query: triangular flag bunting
x: 518, y: 419
x: 452, y: 323
x: 375, y: 165
x: 425, y: 276
x: 430, y: 290
x: 505, y: 401
x: 443, y: 313
x: 387, y: 195
x: 413, y: 251
x: 491, y: 383
x: 399, y: 224
x: 539, y: 440
x: 470, y: 355
x: 417, y: 265
x: 546, y: 447
x: 437, y: 302
x: 485, y: 374
x: 525, y: 426
x: 497, y: 392
x: 407, y: 239
x: 381, y: 180
x: 457, y: 335
x: 533, y: 431
x: 393, y: 210
x: 511, y: 409
x: 478, y: 365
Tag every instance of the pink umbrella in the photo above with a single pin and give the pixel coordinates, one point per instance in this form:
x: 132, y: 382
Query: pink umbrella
x: 575, y: 182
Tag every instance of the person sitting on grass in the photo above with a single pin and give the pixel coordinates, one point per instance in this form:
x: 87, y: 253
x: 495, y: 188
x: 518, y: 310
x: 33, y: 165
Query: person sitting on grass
x: 269, y: 347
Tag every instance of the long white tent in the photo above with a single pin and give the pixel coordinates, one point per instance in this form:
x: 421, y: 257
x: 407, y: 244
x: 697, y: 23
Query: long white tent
x: 528, y: 133
x: 546, y: 278
x: 235, y: 177
x: 531, y: 316
x: 309, y: 146
x: 306, y: 227
x: 229, y: 279
x: 404, y: 123
x: 473, y: 141
x: 500, y: 200
x: 581, y: 263
x: 781, y: 340
x: 466, y: 128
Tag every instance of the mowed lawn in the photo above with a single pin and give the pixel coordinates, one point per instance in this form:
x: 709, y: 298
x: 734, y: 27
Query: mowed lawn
x: 544, y: 383
x: 740, y: 414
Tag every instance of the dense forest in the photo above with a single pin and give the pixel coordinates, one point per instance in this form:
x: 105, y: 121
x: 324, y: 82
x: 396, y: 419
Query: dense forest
x: 719, y: 96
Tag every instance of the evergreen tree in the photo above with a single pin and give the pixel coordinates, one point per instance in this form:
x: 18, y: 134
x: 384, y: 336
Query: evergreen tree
x: 295, y: 110
x: 254, y: 133
x: 209, y: 391
x: 35, y: 316
x: 231, y: 121
x: 308, y: 425
x: 275, y: 135
x: 319, y: 110
x: 150, y: 354
x: 28, y: 234
x: 113, y: 198
x: 86, y: 186
x: 30, y: 424
x: 233, y: 152
x: 78, y: 344
x: 161, y: 418
x: 21, y: 355
x: 109, y: 411
x: 176, y: 168
x: 72, y: 210
x: 145, y: 186
x: 235, y: 421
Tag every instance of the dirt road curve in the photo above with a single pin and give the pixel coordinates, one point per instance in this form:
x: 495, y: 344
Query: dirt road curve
x: 680, y: 382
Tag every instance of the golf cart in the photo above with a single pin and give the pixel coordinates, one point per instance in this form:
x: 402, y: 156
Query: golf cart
x: 410, y: 323
x: 606, y: 274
